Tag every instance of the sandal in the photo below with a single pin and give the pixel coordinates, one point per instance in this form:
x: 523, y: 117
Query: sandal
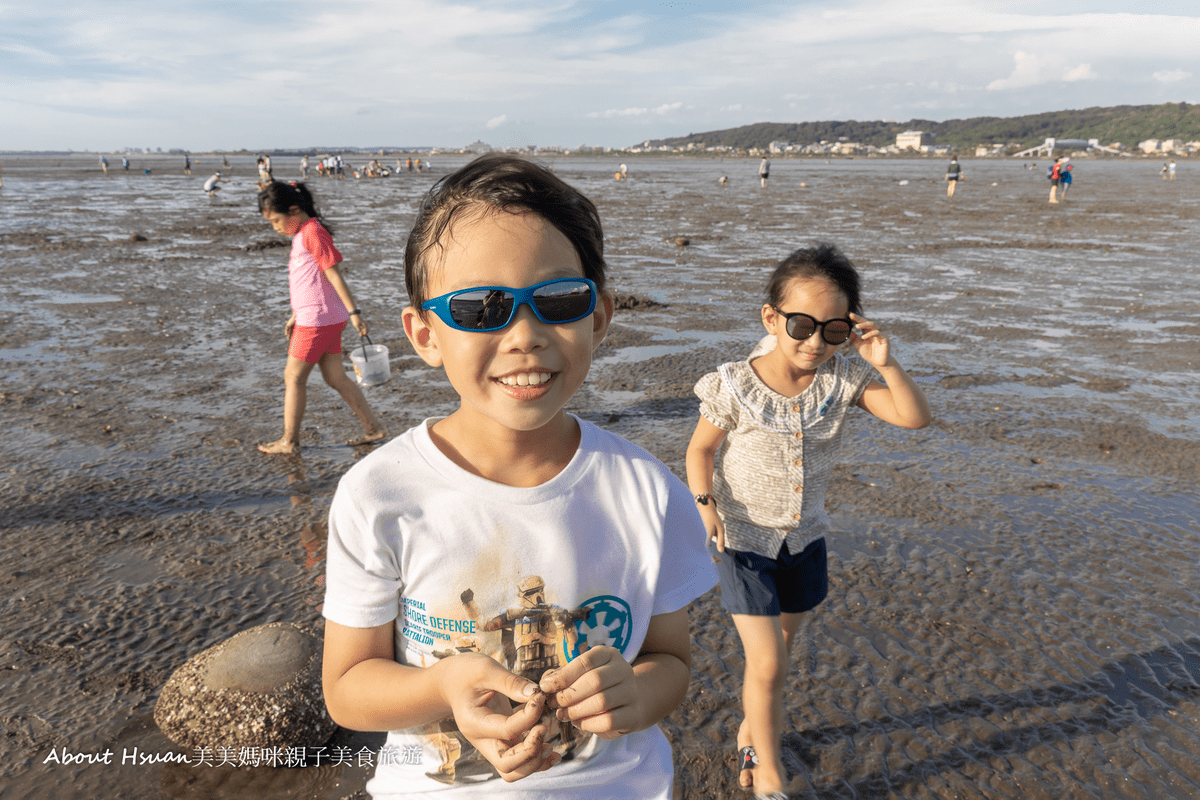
x: 747, y: 759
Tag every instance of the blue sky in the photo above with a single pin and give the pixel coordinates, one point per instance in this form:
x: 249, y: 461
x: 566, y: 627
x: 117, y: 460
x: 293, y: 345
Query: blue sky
x: 270, y: 74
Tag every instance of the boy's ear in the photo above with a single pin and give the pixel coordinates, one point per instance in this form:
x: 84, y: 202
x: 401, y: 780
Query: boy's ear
x: 421, y: 334
x: 602, y: 318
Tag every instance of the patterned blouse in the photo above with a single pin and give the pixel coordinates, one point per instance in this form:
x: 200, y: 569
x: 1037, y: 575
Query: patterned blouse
x: 771, y: 471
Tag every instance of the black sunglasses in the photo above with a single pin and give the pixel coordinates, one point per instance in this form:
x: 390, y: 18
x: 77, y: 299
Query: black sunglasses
x: 800, y: 326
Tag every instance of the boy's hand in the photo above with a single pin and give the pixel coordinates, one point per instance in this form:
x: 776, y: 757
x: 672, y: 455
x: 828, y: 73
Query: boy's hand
x: 870, y: 342
x: 478, y: 691
x: 598, y: 692
x: 289, y: 326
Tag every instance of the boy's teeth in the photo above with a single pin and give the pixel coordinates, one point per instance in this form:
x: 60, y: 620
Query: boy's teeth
x: 526, y: 379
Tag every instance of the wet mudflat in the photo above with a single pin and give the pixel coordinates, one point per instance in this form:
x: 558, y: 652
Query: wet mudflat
x: 1013, y: 589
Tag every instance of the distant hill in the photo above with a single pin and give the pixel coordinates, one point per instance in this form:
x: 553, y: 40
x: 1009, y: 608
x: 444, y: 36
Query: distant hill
x: 1125, y: 124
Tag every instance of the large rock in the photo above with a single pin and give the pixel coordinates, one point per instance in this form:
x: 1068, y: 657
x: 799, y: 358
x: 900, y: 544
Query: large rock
x: 260, y: 688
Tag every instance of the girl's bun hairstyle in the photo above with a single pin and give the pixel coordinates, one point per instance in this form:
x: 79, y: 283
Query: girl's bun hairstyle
x: 820, y: 260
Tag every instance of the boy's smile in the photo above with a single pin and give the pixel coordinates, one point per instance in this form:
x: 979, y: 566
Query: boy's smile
x: 519, y: 378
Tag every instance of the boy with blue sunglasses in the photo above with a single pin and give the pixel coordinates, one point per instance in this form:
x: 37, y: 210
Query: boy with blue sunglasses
x: 507, y: 586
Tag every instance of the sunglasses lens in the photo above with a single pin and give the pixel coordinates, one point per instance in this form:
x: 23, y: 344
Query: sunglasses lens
x: 801, y: 327
x: 837, y: 331
x: 564, y: 301
x: 481, y: 309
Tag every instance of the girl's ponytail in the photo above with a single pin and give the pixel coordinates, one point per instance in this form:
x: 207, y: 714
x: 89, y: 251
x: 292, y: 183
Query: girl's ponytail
x: 280, y: 197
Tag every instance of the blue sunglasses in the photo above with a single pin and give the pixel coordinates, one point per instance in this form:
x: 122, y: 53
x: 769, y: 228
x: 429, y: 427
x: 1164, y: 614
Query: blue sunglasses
x: 490, y: 308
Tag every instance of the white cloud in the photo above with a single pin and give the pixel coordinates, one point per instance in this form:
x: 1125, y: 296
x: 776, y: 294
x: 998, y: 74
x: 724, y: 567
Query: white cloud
x: 1083, y: 72
x: 496, y: 122
x: 32, y: 53
x: 1171, y: 76
x: 635, y: 111
x: 618, y: 112
x: 1027, y: 72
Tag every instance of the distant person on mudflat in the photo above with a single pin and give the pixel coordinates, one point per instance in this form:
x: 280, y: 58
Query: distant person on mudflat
x: 1171, y: 170
x: 953, y: 174
x: 764, y: 171
x: 211, y: 186
x: 1165, y: 169
x: 187, y: 165
x: 1054, y: 177
x: 104, y: 164
x: 125, y: 163
x: 304, y: 168
x: 321, y: 306
x: 1064, y: 176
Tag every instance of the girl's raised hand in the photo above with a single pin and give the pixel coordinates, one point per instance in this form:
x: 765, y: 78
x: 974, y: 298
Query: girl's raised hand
x: 869, y: 342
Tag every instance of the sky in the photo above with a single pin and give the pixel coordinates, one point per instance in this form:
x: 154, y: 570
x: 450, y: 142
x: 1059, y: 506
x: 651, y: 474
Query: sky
x: 267, y: 74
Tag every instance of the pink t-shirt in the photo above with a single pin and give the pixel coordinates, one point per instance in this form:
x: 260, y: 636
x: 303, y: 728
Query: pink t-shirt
x: 313, y: 298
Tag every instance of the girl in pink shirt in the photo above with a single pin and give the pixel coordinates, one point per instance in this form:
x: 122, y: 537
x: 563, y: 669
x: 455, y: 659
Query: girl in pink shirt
x: 321, y: 306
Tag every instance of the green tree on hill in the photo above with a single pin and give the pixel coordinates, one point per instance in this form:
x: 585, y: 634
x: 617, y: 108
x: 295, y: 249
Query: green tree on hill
x: 1126, y: 124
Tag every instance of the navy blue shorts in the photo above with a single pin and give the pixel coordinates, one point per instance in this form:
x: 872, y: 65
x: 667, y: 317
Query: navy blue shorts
x: 758, y: 586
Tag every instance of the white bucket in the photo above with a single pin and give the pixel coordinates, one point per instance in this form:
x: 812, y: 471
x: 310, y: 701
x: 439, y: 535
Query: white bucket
x: 370, y: 362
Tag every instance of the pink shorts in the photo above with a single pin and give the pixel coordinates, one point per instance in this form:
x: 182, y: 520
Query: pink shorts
x: 310, y: 344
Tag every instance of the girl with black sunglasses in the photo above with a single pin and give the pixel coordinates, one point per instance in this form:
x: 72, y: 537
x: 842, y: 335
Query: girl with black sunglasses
x: 761, y: 459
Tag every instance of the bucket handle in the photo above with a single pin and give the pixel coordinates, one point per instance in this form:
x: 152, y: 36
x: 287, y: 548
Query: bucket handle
x: 364, y: 344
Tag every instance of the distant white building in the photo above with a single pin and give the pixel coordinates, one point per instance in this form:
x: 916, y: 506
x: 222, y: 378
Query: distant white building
x: 1171, y: 145
x: 779, y: 147
x: 478, y: 147
x: 914, y: 140
x: 1148, y: 146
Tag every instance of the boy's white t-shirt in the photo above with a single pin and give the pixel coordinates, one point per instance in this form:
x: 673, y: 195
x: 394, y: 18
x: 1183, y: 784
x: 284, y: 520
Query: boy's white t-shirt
x: 529, y: 576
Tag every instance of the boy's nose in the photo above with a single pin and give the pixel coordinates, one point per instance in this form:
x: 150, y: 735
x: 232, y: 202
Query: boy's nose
x: 525, y: 329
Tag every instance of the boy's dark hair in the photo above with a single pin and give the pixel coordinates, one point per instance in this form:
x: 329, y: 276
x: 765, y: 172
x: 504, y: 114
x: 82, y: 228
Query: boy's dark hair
x: 504, y: 183
x: 821, y: 260
x: 280, y: 197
